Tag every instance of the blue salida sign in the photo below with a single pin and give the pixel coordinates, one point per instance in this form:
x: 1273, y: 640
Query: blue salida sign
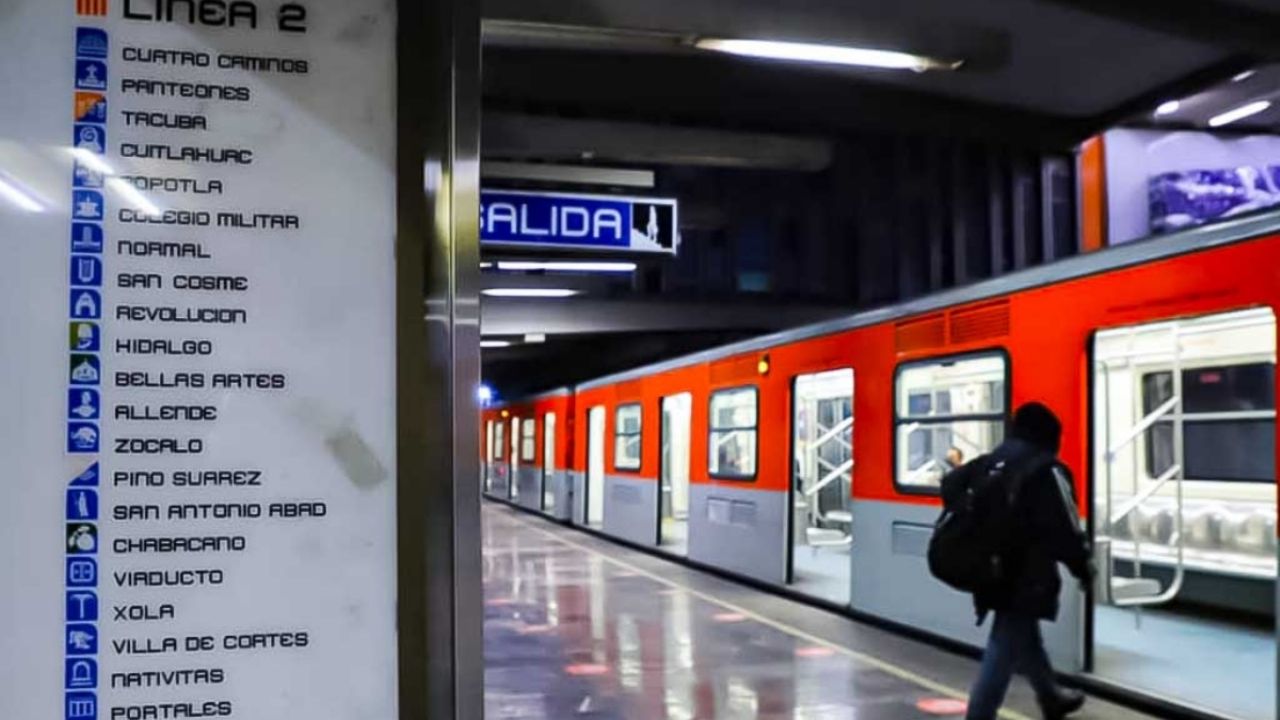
x: 567, y: 220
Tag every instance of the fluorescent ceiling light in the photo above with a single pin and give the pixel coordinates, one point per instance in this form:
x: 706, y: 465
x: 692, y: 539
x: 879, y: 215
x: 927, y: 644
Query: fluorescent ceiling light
x: 495, y: 344
x: 10, y: 192
x: 567, y: 266
x: 829, y: 54
x: 1168, y: 107
x: 529, y: 292
x: 534, y: 338
x: 1239, y: 113
x: 1241, y: 77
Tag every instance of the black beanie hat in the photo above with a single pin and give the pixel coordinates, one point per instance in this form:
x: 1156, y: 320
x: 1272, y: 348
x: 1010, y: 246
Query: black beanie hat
x: 1035, y: 423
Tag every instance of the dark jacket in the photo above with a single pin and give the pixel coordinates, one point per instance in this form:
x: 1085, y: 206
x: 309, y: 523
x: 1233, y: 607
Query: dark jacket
x: 1048, y: 533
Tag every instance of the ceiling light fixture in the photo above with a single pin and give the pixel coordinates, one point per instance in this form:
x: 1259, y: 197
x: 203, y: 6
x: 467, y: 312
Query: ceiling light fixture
x: 1239, y: 113
x: 566, y: 266
x: 1168, y: 107
x: 529, y: 292
x: 1241, y: 77
x: 535, y: 338
x: 826, y: 54
x: 495, y: 343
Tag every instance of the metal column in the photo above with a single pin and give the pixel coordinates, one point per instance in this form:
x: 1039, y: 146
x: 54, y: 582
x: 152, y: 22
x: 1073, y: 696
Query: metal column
x: 438, y: 361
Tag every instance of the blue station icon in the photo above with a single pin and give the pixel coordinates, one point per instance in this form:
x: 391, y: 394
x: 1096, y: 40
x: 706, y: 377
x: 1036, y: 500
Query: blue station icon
x: 82, y: 572
x: 82, y: 438
x: 81, y: 673
x: 82, y: 606
x: 82, y: 639
x: 88, y: 478
x: 86, y: 177
x: 86, y: 271
x: 91, y: 75
x: 91, y: 43
x: 90, y: 137
x: 83, y: 404
x: 88, y: 205
x: 82, y: 706
x: 86, y: 238
x: 86, y: 304
x: 82, y: 504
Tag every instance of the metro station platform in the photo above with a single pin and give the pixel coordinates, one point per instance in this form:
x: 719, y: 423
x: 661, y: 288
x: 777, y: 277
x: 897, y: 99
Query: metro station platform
x: 577, y: 626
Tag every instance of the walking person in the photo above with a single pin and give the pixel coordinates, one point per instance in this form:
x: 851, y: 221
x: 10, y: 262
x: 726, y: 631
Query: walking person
x: 1038, y: 529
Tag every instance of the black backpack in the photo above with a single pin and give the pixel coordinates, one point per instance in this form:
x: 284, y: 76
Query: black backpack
x: 975, y: 539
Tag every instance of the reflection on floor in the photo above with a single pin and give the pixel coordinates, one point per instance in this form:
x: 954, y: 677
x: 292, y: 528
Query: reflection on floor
x: 578, y: 627
x: 570, y: 634
x: 675, y: 536
x: 1225, y: 667
x: 823, y: 574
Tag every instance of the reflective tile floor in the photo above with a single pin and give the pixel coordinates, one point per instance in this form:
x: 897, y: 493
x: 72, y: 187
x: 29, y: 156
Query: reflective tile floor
x: 577, y: 627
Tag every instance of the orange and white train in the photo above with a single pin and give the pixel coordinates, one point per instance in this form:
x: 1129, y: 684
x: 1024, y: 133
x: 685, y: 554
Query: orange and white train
x: 809, y: 460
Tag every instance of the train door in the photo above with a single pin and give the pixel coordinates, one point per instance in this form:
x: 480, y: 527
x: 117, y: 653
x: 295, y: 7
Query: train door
x: 1184, y: 510
x: 498, y: 471
x: 673, y: 506
x: 487, y: 469
x: 595, y: 467
x: 548, y: 461
x: 513, y: 478
x: 821, y: 484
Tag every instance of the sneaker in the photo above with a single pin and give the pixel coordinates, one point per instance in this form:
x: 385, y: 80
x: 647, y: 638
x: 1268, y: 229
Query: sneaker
x: 1063, y: 704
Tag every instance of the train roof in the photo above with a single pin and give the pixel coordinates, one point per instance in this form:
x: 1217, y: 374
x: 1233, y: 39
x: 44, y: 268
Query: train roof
x: 1129, y: 254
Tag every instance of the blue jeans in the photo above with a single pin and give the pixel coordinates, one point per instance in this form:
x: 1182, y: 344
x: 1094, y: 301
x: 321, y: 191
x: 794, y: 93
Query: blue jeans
x: 1015, y: 644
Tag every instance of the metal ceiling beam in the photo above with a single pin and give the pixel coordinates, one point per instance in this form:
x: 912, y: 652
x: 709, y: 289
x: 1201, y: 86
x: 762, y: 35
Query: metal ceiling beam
x: 1233, y: 26
x: 515, y: 136
x: 507, y: 317
x: 568, y: 174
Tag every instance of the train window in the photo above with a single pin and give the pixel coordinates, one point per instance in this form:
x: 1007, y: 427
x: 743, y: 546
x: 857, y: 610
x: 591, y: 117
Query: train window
x: 499, y: 440
x: 528, y: 440
x: 1228, y: 422
x: 732, y: 452
x: 947, y: 412
x: 515, y: 444
x: 626, y: 433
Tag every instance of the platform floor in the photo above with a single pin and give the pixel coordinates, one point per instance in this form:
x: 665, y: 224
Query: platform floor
x: 1225, y: 667
x: 579, y: 627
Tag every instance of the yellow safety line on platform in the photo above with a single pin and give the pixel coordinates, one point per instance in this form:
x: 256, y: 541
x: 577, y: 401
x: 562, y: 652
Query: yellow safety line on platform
x: 882, y: 665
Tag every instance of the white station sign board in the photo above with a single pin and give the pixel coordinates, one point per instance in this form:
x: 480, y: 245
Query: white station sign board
x: 197, y: 510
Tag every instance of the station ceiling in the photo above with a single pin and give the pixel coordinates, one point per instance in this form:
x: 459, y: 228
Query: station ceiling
x: 621, y: 83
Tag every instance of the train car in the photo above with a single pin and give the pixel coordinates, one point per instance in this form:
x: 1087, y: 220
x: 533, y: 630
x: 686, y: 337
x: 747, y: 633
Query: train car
x: 811, y: 459
x: 525, y: 449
